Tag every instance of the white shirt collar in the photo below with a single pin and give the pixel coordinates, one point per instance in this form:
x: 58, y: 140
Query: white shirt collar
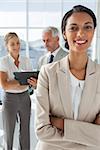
x: 12, y: 59
x: 54, y: 53
x: 76, y: 82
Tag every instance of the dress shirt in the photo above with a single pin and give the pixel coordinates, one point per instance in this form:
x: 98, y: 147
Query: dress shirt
x: 53, y: 53
x: 76, y: 90
x: 7, y: 65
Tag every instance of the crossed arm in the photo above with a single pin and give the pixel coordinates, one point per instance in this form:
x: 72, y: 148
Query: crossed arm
x: 59, y: 123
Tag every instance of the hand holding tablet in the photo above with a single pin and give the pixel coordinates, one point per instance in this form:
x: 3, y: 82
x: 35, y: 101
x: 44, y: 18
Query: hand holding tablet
x: 22, y: 77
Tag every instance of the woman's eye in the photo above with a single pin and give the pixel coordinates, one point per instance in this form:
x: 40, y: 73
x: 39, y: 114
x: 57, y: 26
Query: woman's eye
x: 88, y: 27
x: 73, y: 28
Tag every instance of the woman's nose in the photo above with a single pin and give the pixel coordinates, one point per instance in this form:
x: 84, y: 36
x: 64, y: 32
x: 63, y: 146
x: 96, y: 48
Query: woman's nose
x: 81, y: 32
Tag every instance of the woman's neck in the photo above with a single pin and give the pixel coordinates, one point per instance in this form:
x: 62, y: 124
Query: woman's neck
x: 78, y: 61
x: 15, y: 57
x: 78, y: 65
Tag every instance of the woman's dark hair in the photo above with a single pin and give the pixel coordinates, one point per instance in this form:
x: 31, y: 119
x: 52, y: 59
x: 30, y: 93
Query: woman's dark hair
x: 75, y: 9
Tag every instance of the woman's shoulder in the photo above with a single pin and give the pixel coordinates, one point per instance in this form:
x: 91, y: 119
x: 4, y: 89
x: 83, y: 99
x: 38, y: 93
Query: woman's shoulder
x: 97, y: 66
x: 51, y: 66
x: 4, y: 58
x: 4, y: 63
x: 54, y: 66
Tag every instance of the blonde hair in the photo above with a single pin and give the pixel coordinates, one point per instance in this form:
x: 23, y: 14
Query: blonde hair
x: 9, y: 36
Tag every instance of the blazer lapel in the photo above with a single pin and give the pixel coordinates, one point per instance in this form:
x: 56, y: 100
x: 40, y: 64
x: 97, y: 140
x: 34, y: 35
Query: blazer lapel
x: 58, y: 55
x: 64, y: 87
x: 61, y: 54
x: 89, y: 91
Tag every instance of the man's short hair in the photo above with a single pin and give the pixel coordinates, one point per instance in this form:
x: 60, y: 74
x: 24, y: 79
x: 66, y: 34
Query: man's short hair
x: 53, y: 30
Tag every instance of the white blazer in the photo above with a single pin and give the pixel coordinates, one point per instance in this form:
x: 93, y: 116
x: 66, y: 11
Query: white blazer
x: 54, y: 97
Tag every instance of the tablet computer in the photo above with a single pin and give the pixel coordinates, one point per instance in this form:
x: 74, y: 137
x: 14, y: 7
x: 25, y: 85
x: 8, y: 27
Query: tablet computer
x: 23, y: 76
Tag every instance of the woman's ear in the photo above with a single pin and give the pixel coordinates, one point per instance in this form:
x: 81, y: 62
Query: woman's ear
x: 64, y: 36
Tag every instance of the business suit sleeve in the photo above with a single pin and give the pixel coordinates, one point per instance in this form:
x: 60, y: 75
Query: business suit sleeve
x: 82, y: 132
x: 45, y: 131
x: 74, y: 131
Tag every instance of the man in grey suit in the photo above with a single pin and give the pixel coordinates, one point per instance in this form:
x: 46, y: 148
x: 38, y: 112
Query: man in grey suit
x: 50, y: 37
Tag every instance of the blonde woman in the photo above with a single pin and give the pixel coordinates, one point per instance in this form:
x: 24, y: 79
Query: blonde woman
x: 16, y: 98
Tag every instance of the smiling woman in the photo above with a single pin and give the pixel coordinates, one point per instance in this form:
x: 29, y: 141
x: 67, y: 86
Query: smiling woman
x: 69, y: 88
x: 79, y: 32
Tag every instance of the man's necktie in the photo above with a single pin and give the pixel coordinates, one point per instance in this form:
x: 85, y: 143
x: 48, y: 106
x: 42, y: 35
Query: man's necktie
x: 51, y: 59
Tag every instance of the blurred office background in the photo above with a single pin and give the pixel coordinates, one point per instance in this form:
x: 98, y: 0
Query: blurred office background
x: 28, y: 18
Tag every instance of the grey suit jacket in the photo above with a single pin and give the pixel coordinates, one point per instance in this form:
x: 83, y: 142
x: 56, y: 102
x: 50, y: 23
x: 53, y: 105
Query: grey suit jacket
x: 44, y: 59
x: 54, y: 97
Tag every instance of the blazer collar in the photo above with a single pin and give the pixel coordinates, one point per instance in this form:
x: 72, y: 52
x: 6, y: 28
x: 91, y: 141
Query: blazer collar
x: 65, y: 91
x: 91, y: 67
x: 89, y: 91
x: 64, y: 66
x: 64, y: 86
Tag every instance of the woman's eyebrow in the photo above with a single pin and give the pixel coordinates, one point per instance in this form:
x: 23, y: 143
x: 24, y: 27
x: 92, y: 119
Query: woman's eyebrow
x: 89, y: 23
x: 73, y: 24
